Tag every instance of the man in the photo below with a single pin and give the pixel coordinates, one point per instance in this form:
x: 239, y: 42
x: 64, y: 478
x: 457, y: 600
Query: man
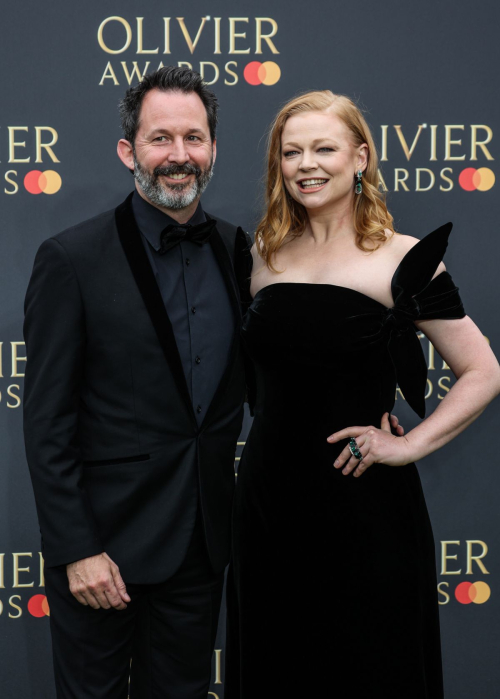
x: 133, y: 406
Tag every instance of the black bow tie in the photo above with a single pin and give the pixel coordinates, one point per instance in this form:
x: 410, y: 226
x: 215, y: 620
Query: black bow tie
x: 173, y: 234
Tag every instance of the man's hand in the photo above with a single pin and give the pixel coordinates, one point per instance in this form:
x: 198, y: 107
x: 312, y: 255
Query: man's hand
x: 96, y: 581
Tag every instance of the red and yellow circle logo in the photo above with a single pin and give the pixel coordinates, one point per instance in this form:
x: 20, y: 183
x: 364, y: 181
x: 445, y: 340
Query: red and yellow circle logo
x: 38, y: 606
x: 48, y: 182
x: 471, y: 179
x: 257, y: 73
x: 478, y: 592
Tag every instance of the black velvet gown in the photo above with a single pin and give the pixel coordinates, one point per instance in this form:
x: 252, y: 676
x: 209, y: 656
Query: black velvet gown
x: 332, y: 587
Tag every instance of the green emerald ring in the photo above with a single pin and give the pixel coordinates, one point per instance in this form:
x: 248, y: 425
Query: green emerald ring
x: 354, y: 449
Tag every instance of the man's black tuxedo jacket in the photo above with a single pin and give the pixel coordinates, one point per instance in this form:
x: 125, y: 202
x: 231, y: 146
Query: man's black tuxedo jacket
x: 111, y: 437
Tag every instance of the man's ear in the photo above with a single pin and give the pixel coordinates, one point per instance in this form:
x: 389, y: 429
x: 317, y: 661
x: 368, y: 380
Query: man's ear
x: 214, y: 150
x: 126, y: 153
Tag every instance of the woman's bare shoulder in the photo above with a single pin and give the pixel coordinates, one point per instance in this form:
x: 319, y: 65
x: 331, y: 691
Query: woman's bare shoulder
x: 399, y: 244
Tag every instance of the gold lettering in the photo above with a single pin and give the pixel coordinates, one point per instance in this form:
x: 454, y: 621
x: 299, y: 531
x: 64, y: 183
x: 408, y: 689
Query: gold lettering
x: 217, y: 34
x: 449, y: 143
x: 419, y: 170
x: 140, y: 40
x: 14, y: 606
x: 400, y: 180
x: 442, y: 592
x: 231, y: 72
x: 13, y: 395
x: 477, y: 559
x: 433, y: 142
x: 202, y: 72
x: 445, y: 366
x: 109, y: 73
x: 233, y: 36
x: 381, y: 182
x: 15, y: 186
x: 431, y: 355
x: 128, y: 31
x: 482, y: 144
x: 213, y: 694
x: 17, y: 570
x: 446, y: 179
x: 166, y: 21
x: 47, y: 146
x: 1, y: 607
x: 384, y: 142
x: 13, y: 143
x: 446, y: 557
x: 429, y: 389
x: 217, y: 654
x: 16, y: 360
x: 191, y: 44
x: 42, y: 574
x: 185, y: 63
x: 398, y: 390
x: 259, y: 21
x: 2, y: 570
x: 441, y: 382
x: 408, y: 151
x: 135, y: 71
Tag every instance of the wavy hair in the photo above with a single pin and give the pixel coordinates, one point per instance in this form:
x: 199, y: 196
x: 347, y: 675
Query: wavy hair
x: 285, y: 217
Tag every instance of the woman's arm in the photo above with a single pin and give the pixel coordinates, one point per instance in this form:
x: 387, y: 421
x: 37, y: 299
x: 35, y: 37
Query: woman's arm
x: 463, y: 347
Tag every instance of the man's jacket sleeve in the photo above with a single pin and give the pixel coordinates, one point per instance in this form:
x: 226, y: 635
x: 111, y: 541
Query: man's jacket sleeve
x: 54, y: 331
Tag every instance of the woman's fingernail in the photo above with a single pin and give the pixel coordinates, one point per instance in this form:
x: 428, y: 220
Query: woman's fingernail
x: 336, y: 463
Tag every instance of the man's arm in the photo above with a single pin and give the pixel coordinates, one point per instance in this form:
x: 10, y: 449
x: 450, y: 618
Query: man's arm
x: 54, y: 331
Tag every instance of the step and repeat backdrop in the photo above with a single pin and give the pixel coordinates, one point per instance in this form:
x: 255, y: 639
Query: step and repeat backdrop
x: 425, y: 74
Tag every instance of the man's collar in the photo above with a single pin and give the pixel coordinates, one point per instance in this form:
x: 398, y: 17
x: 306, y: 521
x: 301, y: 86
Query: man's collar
x: 151, y: 221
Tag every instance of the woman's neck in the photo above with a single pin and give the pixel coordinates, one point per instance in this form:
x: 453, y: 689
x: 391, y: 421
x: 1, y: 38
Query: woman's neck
x: 326, y: 225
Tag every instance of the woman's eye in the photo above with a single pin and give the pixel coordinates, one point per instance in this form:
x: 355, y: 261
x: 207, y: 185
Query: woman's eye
x: 290, y: 152
x: 326, y: 149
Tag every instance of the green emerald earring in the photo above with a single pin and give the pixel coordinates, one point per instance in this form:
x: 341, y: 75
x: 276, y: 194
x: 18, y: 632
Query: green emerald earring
x: 359, y: 187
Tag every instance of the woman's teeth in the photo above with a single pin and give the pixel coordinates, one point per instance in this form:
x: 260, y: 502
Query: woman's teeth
x: 305, y: 184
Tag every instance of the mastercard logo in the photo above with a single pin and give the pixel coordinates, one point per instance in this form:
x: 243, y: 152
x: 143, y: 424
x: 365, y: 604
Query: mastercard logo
x: 471, y: 179
x: 48, y: 182
x: 478, y: 592
x: 257, y: 73
x: 38, y: 606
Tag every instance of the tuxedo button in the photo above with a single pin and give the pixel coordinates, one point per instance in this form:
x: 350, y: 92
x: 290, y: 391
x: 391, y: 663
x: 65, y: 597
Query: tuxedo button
x: 197, y: 360
x: 193, y: 310
x: 198, y: 409
x: 188, y: 261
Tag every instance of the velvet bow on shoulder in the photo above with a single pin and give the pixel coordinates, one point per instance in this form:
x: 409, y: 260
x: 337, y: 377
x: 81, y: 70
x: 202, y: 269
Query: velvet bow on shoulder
x: 417, y: 296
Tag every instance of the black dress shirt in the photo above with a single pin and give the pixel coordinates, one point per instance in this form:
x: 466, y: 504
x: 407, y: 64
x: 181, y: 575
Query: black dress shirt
x: 196, y: 300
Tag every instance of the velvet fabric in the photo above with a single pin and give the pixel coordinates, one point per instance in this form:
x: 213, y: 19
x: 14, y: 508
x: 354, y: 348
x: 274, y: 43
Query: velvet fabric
x: 332, y: 588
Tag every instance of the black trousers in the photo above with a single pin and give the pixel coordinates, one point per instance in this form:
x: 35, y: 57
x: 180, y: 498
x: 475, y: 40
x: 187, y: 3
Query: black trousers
x: 175, y: 621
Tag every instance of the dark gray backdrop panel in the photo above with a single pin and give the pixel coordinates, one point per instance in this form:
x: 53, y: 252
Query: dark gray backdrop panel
x: 408, y: 64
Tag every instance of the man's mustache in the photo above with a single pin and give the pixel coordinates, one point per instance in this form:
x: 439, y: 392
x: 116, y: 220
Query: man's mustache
x: 187, y: 169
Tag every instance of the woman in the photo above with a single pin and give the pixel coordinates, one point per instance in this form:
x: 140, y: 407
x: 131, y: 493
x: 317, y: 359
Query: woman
x: 333, y: 588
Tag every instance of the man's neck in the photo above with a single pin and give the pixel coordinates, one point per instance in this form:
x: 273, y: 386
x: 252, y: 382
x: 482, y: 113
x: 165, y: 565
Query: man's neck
x: 179, y: 215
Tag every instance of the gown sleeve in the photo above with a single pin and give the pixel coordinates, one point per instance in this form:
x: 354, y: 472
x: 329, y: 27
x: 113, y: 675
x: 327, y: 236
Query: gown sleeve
x: 417, y: 296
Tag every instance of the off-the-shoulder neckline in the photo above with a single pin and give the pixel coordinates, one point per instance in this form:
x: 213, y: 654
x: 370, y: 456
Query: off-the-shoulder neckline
x: 333, y: 286
x: 355, y: 291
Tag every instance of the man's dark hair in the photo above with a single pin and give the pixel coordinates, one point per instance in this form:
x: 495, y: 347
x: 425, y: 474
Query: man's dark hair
x: 166, y: 79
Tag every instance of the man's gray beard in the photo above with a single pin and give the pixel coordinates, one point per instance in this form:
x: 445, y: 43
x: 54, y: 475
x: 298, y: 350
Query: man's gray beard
x: 172, y: 196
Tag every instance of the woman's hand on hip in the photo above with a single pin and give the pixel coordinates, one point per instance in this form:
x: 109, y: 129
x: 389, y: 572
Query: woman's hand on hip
x: 377, y: 446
